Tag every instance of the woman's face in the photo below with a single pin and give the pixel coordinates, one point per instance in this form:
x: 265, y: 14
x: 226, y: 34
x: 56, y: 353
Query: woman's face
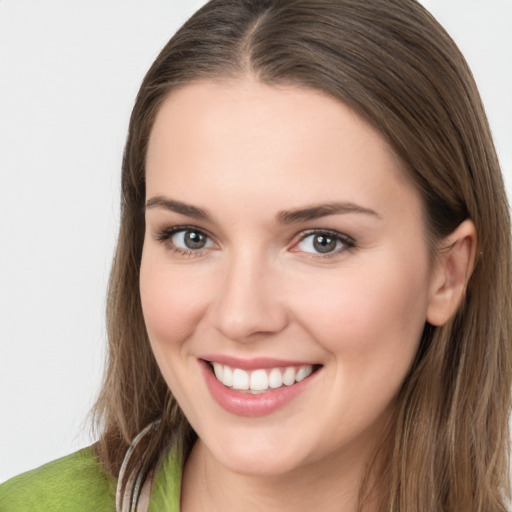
x: 284, y: 247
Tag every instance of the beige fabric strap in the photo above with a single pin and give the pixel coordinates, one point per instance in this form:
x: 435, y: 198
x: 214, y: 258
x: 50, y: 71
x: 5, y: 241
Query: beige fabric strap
x: 135, y: 497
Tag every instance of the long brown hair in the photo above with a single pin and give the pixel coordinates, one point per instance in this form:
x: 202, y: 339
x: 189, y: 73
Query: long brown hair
x: 392, y: 63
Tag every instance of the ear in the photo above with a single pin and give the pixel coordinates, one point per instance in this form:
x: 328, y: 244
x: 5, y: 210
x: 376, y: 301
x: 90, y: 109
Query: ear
x: 452, y: 269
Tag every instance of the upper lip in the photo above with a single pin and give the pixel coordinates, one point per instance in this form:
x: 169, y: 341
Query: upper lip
x: 253, y: 363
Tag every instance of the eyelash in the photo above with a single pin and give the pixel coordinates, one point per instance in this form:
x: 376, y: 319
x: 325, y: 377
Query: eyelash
x: 165, y: 235
x: 347, y: 242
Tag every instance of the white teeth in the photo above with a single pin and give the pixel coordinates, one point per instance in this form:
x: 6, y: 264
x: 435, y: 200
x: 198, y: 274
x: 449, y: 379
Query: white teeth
x: 219, y: 370
x: 289, y: 376
x: 260, y: 380
x: 240, y: 379
x: 304, y: 371
x: 275, y: 378
x: 227, y: 376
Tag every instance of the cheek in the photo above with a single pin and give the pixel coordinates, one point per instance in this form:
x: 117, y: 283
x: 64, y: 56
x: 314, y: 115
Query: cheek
x: 371, y: 317
x: 370, y: 324
x: 172, y: 301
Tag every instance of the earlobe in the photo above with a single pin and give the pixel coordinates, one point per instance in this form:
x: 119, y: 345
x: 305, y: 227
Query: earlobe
x: 452, y: 269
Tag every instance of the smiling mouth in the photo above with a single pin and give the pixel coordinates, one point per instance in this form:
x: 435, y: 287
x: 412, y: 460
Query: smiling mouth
x: 260, y: 380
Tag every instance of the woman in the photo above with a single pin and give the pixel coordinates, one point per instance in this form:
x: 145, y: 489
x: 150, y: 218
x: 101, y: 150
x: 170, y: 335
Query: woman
x: 309, y: 299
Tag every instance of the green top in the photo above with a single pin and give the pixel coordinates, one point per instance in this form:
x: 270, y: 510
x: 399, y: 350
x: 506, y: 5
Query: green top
x: 78, y: 483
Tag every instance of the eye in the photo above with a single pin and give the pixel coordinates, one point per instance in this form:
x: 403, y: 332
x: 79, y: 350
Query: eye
x: 185, y: 240
x: 324, y: 242
x: 189, y: 239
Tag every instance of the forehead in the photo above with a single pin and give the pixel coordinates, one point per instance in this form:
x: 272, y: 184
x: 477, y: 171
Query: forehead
x: 242, y: 139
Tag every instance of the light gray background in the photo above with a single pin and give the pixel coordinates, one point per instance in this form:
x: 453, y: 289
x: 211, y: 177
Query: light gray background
x: 69, y: 72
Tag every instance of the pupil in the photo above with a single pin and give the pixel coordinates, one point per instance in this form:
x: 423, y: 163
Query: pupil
x: 194, y: 240
x: 324, y: 244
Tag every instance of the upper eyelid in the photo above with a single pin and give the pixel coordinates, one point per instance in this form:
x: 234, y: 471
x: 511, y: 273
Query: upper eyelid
x: 166, y: 233
x: 164, y: 236
x: 348, y: 243
x: 337, y: 234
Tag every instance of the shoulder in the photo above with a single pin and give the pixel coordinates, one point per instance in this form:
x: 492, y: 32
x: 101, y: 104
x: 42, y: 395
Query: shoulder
x: 165, y: 494
x: 76, y: 482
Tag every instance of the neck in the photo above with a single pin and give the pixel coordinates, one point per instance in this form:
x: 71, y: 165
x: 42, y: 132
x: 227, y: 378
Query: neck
x: 330, y: 485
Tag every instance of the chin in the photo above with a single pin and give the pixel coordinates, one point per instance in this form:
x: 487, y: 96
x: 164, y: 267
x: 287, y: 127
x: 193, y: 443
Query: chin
x: 256, y: 453
x: 259, y: 466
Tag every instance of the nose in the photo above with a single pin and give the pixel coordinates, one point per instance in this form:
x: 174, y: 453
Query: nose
x: 249, y: 303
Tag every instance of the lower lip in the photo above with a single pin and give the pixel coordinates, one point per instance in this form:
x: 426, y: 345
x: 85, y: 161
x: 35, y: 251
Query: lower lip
x: 247, y: 404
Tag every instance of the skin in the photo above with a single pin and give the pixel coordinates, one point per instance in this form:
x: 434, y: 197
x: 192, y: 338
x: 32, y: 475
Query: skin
x: 245, y: 152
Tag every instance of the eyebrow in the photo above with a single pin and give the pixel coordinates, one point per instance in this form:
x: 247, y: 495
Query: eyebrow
x: 322, y: 210
x: 178, y: 207
x: 283, y: 217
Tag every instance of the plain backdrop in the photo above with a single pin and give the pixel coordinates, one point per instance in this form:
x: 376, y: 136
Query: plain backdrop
x: 69, y: 72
